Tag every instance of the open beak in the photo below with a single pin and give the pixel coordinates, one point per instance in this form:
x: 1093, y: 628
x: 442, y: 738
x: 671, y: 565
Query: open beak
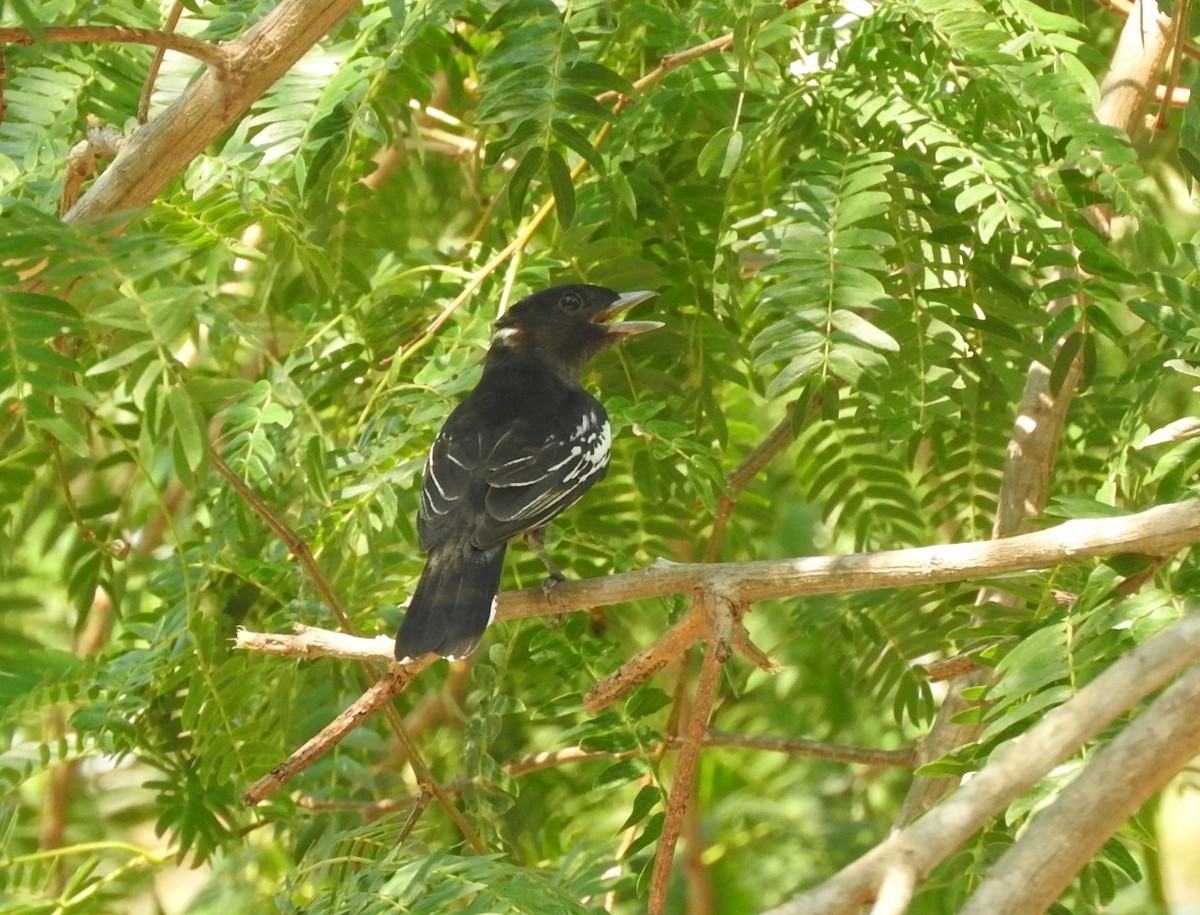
x: 623, y: 303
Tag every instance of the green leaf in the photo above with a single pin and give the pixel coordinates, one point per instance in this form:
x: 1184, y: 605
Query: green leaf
x: 863, y: 330
x: 973, y: 196
x: 518, y: 180
x: 64, y: 426
x: 564, y: 190
x: 648, y: 797
x: 123, y: 357
x: 991, y: 219
x: 646, y: 701
x: 1189, y: 132
x: 721, y: 153
x: 625, y: 770
x: 189, y: 427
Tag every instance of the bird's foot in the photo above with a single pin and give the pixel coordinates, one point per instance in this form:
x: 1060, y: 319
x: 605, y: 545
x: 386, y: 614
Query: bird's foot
x: 551, y: 582
x: 536, y: 539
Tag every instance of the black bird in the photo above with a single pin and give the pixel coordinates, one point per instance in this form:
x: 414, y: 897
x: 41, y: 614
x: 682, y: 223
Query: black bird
x: 524, y: 445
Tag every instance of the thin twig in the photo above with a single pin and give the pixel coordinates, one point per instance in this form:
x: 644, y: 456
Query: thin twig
x: 143, y: 108
x: 211, y: 54
x: 316, y: 747
x: 646, y: 663
x: 685, y: 774
x: 293, y: 541
x: 425, y: 777
x: 741, y: 476
x: 376, y: 696
x: 1182, y: 15
x: 115, y: 548
x: 904, y: 758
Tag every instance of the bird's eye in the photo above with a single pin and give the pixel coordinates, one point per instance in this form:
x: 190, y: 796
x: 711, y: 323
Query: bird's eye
x: 570, y: 302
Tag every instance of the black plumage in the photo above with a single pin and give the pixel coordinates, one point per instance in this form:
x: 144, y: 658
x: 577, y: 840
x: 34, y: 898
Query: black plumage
x: 524, y: 445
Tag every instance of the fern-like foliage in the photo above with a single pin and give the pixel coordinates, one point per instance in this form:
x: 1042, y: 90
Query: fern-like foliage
x: 864, y: 221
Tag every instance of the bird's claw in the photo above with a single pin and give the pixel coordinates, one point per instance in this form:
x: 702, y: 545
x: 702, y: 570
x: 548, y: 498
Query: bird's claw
x: 551, y: 582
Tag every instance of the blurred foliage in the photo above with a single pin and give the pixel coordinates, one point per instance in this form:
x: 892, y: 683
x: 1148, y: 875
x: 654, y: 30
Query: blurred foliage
x: 855, y: 217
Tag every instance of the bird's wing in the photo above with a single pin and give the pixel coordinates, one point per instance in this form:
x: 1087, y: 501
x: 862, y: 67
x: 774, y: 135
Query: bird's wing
x: 456, y: 457
x: 532, y: 476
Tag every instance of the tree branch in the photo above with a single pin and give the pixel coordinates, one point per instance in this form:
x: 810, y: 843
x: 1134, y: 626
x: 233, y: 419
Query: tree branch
x: 158, y: 152
x: 743, y: 475
x: 1118, y: 780
x: 1042, y: 411
x: 211, y: 54
x: 143, y: 108
x: 1158, y: 531
x: 685, y: 776
x: 1021, y: 764
x: 293, y: 541
x: 311, y: 642
x: 313, y: 749
x: 713, y: 739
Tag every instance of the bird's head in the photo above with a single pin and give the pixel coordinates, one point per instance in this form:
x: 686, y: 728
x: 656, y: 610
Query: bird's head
x: 569, y: 324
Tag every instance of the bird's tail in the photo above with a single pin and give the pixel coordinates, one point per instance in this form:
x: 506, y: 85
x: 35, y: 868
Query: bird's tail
x: 453, y: 604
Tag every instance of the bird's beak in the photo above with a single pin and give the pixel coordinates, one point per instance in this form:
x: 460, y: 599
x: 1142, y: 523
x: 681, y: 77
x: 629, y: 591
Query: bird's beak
x: 623, y: 303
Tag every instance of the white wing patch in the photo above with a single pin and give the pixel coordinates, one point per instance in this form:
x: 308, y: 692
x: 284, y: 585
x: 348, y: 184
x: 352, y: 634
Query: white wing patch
x: 593, y: 450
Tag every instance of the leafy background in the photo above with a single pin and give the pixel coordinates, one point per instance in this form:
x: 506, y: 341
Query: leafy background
x: 855, y: 218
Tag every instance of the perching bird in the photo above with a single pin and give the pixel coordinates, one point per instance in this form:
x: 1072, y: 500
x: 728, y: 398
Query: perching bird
x: 524, y: 445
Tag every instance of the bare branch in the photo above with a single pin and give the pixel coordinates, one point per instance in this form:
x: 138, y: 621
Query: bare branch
x: 143, y: 108
x: 1042, y: 411
x: 103, y: 142
x: 343, y: 724
x: 743, y: 475
x: 713, y: 739
x: 1118, y: 780
x: 1132, y: 77
x: 645, y: 664
x: 210, y: 54
x: 1158, y: 531
x: 157, y: 153
x: 685, y: 775
x: 311, y: 642
x: 294, y: 542
x: 798, y: 746
x: 896, y: 887
x: 1014, y: 770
